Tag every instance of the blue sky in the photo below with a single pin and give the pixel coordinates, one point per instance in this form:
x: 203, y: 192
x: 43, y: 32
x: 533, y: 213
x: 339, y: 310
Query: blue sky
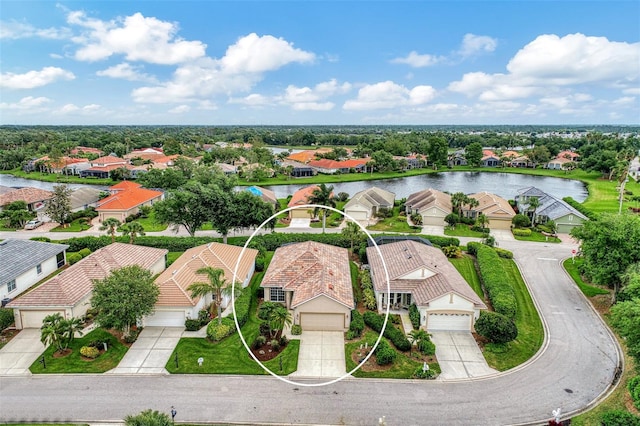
x: 319, y: 62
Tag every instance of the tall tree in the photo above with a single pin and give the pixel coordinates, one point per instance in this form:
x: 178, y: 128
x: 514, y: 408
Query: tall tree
x: 353, y: 232
x: 16, y: 214
x: 458, y: 200
x: 323, y: 196
x: 124, y: 297
x: 110, y: 225
x: 59, y: 206
x: 216, y: 285
x: 533, y: 204
x: 131, y: 229
x: 189, y: 206
x: 473, y: 154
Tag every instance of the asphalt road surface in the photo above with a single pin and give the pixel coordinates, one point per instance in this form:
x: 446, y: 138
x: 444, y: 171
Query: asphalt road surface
x: 575, y: 367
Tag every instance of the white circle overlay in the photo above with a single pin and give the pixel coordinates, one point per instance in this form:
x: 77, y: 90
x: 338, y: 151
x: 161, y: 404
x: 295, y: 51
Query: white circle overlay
x: 233, y: 304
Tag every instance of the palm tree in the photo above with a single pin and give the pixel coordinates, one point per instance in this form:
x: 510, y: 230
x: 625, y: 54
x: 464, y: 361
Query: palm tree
x: 69, y: 328
x: 534, y: 203
x: 417, y: 336
x: 217, y: 286
x: 482, y: 220
x: 110, y: 225
x: 353, y: 232
x: 457, y: 200
x: 471, y: 202
x: 323, y: 196
x: 279, y: 317
x: 50, y: 332
x: 132, y: 229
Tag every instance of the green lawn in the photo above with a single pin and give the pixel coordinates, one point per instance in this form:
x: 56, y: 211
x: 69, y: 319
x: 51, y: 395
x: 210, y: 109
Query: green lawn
x: 229, y: 356
x: 572, y: 267
x: 537, y: 237
x: 530, y: 331
x: 58, y: 178
x: 462, y: 230
x: 77, y: 225
x: 150, y: 224
x: 403, y: 367
x: 334, y: 219
x: 396, y: 223
x: 172, y: 256
x: 75, y: 363
x: 467, y: 268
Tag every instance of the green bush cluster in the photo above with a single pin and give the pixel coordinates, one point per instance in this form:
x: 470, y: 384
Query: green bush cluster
x: 84, y: 252
x: 427, y: 347
x: 478, y: 228
x: 217, y: 332
x: 6, y: 318
x: 357, y: 323
x: 452, y: 251
x: 242, y: 304
x: 422, y: 374
x: 414, y: 316
x: 296, y: 329
x: 397, y: 337
x: 619, y: 418
x: 503, y: 253
x: 521, y: 221
x: 472, y: 247
x: 581, y: 208
x: 385, y: 354
x: 89, y: 351
x: 496, y: 327
x: 524, y: 232
x: 259, y: 341
x: 496, y: 281
x: 192, y: 324
x: 368, y: 295
x: 634, y: 390
x: 132, y: 337
x: 73, y: 258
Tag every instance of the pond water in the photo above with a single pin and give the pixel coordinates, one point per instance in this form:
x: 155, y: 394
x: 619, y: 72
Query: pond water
x: 505, y: 185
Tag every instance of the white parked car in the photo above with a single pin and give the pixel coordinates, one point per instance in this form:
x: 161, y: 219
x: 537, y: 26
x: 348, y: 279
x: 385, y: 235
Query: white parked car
x: 33, y: 224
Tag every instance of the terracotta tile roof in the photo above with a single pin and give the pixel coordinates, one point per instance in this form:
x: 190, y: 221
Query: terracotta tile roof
x: 86, y: 150
x: 422, y: 270
x: 311, y: 269
x: 510, y: 154
x: 29, y: 195
x: 325, y: 163
x: 427, y: 198
x: 493, y: 206
x: 488, y: 153
x: 570, y: 154
x: 75, y: 283
x: 143, y: 155
x: 62, y: 161
x: 301, y: 196
x: 354, y: 162
x: 173, y: 282
x: 124, y: 185
x: 166, y: 158
x: 110, y: 167
x: 303, y: 156
x: 128, y: 199
x: 107, y: 160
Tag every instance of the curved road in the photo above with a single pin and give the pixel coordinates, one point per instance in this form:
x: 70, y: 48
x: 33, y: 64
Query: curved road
x: 575, y: 367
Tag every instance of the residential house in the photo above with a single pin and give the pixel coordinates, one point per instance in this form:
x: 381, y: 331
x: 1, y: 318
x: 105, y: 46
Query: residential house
x: 313, y: 281
x: 550, y: 208
x: 35, y: 198
x: 84, y: 197
x: 25, y: 262
x: 521, y: 161
x: 84, y: 150
x: 101, y: 167
x: 297, y: 169
x: 570, y: 155
x: 175, y: 303
x: 634, y: 168
x: 497, y: 210
x: 431, y: 204
x: 227, y: 169
x: 267, y: 196
x: 327, y: 166
x: 559, y: 163
x: 69, y: 292
x: 489, y: 159
x: 422, y: 274
x: 125, y: 200
x: 364, y: 205
x: 299, y: 198
x: 63, y: 165
x: 457, y: 158
x: 307, y: 155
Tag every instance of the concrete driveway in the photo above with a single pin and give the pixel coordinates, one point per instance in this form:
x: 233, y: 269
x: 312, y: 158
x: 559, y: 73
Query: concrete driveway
x: 300, y: 223
x: 22, y: 350
x: 321, y: 354
x: 150, y: 352
x: 459, y: 356
x: 502, y: 235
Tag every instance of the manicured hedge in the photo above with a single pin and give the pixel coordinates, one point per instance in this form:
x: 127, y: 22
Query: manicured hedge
x: 496, y: 281
x: 582, y: 209
x: 217, y: 331
x: 6, y: 318
x: 524, y: 232
x: 357, y: 323
x: 505, y: 254
x: 414, y: 316
x: 472, y: 247
x: 397, y: 337
x: 495, y: 327
x: 634, y: 390
x: 619, y: 418
x: 385, y: 354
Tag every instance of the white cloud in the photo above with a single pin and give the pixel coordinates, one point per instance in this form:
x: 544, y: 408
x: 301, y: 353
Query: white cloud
x: 388, y: 94
x: 416, y: 60
x: 76, y: 110
x: 137, y: 37
x: 474, y: 44
x: 32, y: 79
x: 255, y: 54
x: 16, y: 30
x: 28, y: 102
x: 625, y: 100
x: 126, y: 71
x: 68, y: 108
x: 632, y: 91
x: 254, y: 100
x: 307, y: 98
x: 55, y: 56
x: 180, y: 109
x: 313, y: 106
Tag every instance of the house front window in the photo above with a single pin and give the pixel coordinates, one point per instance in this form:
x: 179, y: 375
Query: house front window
x: 39, y: 268
x: 276, y: 295
x: 11, y: 285
x: 60, y: 259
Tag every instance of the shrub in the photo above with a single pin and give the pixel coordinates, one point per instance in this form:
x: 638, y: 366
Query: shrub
x: 84, y: 252
x: 414, y: 316
x: 132, y: 337
x: 452, y: 251
x: 496, y: 327
x: 634, y: 390
x: 351, y: 335
x: 416, y: 218
x: 505, y: 254
x: 89, y: 351
x: 73, y: 258
x: 275, y: 345
x: 6, y: 318
x: 384, y: 212
x: 259, y: 341
x: 259, y: 264
x: 422, y: 374
x: 521, y: 221
x: 385, y: 354
x: 283, y: 340
x: 342, y: 196
x: 192, y: 324
x: 217, y: 332
x: 521, y: 232
x: 296, y: 329
x: 148, y: 418
x: 452, y: 219
x: 357, y: 323
x: 619, y: 418
x: 472, y: 247
x: 397, y: 337
x: 496, y: 281
x: 204, y: 316
x: 581, y: 208
x: 440, y: 241
x: 427, y: 347
x: 369, y: 299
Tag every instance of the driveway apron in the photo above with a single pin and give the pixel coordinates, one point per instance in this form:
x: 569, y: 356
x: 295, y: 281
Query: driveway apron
x: 321, y: 354
x: 459, y: 356
x: 150, y: 352
x: 20, y: 352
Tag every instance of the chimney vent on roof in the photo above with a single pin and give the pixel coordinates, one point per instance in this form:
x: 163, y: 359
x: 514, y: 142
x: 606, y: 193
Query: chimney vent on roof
x: 330, y: 286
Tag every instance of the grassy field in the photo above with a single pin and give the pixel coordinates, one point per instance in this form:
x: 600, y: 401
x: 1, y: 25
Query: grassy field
x: 572, y: 268
x: 462, y: 230
x: 172, y: 256
x: 58, y: 178
x: 150, y: 224
x: 530, y: 331
x: 77, y: 225
x: 467, y: 269
x: 75, y: 363
x: 537, y: 237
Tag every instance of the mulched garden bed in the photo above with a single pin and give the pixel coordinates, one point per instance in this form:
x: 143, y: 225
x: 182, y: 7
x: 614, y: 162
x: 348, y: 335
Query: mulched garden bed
x: 266, y: 352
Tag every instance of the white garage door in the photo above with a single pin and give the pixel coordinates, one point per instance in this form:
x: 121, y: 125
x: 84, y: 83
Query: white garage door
x: 165, y: 319
x: 322, y: 322
x: 33, y: 319
x: 357, y: 214
x: 449, y: 322
x: 433, y: 221
x: 499, y: 224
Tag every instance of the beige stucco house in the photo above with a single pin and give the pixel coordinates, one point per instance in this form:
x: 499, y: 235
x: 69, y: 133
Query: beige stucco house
x: 364, y: 205
x: 312, y: 280
x: 431, y: 204
x: 422, y: 274
x: 496, y: 209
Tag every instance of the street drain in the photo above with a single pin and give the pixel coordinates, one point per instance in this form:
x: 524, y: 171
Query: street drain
x: 568, y: 391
